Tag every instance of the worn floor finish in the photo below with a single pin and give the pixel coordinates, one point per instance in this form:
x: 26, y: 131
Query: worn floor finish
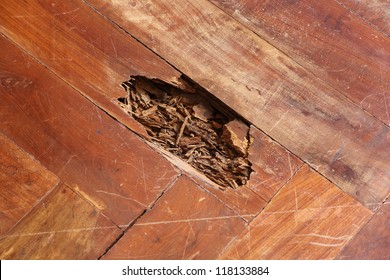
x: 81, y: 179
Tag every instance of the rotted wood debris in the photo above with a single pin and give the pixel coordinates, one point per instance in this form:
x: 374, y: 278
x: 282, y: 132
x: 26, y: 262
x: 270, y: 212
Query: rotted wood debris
x: 184, y: 123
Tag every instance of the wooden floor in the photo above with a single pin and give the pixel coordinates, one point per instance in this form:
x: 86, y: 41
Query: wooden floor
x: 78, y: 180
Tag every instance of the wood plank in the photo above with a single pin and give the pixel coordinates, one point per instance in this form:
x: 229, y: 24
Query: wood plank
x: 270, y: 90
x: 83, y: 48
x: 93, y: 56
x: 376, y: 12
x: 99, y: 157
x: 77, y: 231
x: 272, y: 166
x: 309, y: 218
x: 185, y: 223
x: 373, y: 241
x: 23, y: 183
x: 325, y: 38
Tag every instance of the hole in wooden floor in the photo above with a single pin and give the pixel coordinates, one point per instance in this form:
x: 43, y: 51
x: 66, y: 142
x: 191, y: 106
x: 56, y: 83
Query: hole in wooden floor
x: 192, y: 125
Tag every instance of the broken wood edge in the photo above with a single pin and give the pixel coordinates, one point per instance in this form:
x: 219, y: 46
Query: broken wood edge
x: 184, y: 166
x: 188, y: 85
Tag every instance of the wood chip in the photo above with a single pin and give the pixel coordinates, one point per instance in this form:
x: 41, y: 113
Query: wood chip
x: 185, y: 125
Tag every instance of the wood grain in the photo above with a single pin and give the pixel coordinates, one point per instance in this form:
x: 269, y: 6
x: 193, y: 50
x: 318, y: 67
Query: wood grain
x: 77, y: 231
x: 373, y: 241
x: 100, y: 158
x: 266, y: 87
x: 95, y: 56
x: 376, y: 12
x: 309, y: 218
x: 185, y: 223
x: 272, y: 165
x: 83, y: 48
x: 23, y: 183
x: 325, y: 38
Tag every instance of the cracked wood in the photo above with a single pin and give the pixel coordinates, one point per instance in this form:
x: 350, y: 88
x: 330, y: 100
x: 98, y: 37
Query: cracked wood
x: 187, y: 124
x: 262, y: 84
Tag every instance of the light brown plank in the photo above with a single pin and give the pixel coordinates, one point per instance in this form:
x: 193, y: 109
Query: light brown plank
x: 373, y: 241
x: 185, y: 223
x: 325, y: 38
x: 277, y: 95
x: 86, y: 148
x: 23, y: 183
x: 63, y: 226
x: 376, y: 12
x: 309, y: 218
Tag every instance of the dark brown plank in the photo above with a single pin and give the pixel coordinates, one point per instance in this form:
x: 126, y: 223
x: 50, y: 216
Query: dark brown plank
x: 376, y: 12
x: 309, y: 218
x: 23, y: 183
x: 325, y: 38
x: 97, y: 156
x: 276, y: 94
x: 185, y: 223
x: 62, y: 226
x: 373, y: 241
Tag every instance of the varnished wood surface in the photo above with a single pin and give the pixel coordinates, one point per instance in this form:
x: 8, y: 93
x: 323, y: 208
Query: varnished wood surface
x: 328, y: 40
x: 268, y: 88
x: 272, y: 165
x: 77, y: 231
x: 375, y: 12
x: 373, y: 241
x: 73, y: 178
x: 83, y: 48
x: 95, y: 59
x: 309, y: 218
x: 86, y: 148
x: 23, y: 183
x: 186, y: 223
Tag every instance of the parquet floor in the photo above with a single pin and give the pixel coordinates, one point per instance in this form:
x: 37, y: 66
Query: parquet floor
x: 78, y: 180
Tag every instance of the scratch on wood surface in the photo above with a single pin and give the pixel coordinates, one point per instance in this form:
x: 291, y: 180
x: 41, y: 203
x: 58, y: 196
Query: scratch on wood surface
x: 28, y: 234
x: 312, y: 209
x: 143, y: 178
x: 324, y: 244
x: 344, y: 237
x: 121, y: 196
x: 190, y: 230
x: 67, y: 12
x: 114, y: 48
x: 66, y: 163
x: 296, y: 206
x: 96, y: 203
x: 279, y: 120
x: 289, y: 164
x: 192, y: 220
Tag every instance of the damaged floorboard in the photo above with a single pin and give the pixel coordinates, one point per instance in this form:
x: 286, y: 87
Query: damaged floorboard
x: 269, y: 89
x: 178, y: 162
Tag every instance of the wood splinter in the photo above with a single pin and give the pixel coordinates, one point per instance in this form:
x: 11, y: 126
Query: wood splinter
x: 188, y: 126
